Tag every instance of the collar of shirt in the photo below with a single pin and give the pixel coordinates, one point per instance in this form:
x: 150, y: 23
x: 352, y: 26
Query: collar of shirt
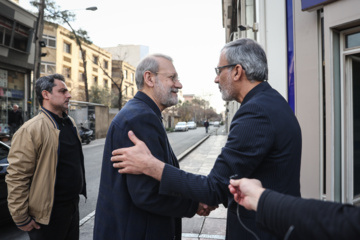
x: 145, y: 98
x: 58, y: 119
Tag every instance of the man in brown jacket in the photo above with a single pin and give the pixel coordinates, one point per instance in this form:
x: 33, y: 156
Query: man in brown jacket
x: 46, y: 167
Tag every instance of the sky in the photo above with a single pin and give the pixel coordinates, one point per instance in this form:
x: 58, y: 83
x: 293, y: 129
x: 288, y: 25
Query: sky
x: 190, y: 31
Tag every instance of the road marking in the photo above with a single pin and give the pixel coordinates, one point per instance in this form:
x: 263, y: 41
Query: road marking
x: 87, y: 218
x: 198, y: 236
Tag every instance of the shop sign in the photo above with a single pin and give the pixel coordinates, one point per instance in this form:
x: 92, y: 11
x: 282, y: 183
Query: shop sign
x: 3, y: 78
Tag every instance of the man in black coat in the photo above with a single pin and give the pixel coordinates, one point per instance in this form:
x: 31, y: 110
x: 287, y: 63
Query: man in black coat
x: 15, y: 119
x: 264, y: 142
x: 297, y: 218
x: 129, y: 207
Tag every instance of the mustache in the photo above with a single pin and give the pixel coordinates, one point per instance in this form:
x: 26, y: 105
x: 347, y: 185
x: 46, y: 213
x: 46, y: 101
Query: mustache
x: 175, y: 90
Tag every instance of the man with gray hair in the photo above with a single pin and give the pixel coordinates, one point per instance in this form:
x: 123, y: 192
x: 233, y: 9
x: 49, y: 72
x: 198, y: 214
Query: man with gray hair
x: 46, y: 167
x: 129, y: 206
x: 264, y: 143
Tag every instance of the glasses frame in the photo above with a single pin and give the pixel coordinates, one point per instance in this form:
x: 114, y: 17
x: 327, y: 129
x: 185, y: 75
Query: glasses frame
x: 174, y: 77
x: 218, y: 69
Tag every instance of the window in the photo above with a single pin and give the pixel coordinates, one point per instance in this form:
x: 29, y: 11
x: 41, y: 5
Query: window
x: 126, y: 93
x: 48, y: 68
x: 132, y: 91
x: 95, y: 80
x: 105, y: 83
x: 81, y: 54
x: 81, y: 77
x: 14, y: 35
x: 67, y: 72
x: 125, y: 74
x: 106, y: 64
x: 95, y: 59
x: 50, y: 41
x: 132, y: 77
x: 67, y: 47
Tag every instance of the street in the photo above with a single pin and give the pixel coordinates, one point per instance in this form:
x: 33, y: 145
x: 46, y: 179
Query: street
x: 180, y: 141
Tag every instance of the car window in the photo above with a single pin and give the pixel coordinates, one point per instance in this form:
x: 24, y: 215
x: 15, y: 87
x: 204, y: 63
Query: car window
x: 4, y: 152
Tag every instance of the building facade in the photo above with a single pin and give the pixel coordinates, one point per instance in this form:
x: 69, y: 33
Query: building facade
x: 124, y: 80
x: 63, y: 56
x: 17, y: 52
x: 313, y: 49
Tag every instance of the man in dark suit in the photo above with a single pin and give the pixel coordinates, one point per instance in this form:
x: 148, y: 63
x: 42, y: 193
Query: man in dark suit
x: 129, y: 206
x: 264, y: 142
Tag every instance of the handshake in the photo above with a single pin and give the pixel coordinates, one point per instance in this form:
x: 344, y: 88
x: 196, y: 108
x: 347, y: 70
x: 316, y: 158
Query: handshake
x: 204, y: 209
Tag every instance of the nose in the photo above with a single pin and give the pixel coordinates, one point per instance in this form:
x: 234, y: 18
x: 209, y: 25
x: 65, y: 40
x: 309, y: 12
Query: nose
x: 178, y: 84
x: 217, y: 78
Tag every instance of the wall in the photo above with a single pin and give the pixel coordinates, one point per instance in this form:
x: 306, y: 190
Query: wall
x: 307, y: 97
x: 102, y: 121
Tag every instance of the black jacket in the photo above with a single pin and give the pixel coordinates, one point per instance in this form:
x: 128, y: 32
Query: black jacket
x: 264, y: 143
x: 129, y: 207
x: 311, y: 219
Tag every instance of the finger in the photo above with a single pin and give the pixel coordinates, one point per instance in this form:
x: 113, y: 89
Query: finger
x: 133, y: 138
x: 35, y: 225
x: 118, y: 151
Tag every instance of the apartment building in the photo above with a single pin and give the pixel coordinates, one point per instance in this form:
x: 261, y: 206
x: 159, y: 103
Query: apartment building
x: 63, y: 56
x: 123, y: 75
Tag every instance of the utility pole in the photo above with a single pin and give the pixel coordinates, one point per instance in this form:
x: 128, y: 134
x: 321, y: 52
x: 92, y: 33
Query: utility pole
x: 37, y: 60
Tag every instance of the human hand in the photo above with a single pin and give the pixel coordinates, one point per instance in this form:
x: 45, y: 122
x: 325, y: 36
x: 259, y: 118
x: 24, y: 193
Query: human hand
x: 137, y: 159
x: 204, y: 209
x: 246, y: 192
x: 30, y: 226
x: 132, y: 159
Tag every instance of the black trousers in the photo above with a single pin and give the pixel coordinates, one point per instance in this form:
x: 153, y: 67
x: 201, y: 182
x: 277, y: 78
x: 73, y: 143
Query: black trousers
x: 63, y: 225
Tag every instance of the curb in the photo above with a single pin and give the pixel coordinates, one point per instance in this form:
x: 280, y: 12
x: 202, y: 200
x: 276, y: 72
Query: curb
x: 190, y: 149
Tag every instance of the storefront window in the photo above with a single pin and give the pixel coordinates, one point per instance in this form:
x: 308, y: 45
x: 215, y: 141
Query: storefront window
x: 11, y: 92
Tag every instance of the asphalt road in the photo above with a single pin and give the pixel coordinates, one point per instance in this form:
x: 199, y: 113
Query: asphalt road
x: 180, y: 142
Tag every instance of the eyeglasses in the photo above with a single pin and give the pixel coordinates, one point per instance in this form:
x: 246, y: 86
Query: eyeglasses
x: 218, y: 69
x: 174, y: 77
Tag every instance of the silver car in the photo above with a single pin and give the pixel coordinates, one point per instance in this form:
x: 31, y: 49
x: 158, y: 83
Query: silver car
x: 181, y: 126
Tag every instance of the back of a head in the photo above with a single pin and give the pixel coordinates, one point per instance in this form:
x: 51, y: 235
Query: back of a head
x: 250, y: 55
x: 149, y: 63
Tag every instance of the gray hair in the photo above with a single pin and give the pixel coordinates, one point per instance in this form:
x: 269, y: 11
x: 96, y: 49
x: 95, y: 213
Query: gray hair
x: 46, y: 83
x: 148, y: 64
x: 250, y: 55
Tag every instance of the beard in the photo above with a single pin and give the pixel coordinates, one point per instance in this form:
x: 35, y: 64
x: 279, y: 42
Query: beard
x: 225, y: 88
x: 164, y: 95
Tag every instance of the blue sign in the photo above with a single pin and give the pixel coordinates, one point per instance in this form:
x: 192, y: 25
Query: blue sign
x: 309, y: 4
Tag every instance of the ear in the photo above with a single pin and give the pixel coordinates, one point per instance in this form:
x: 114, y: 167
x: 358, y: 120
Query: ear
x: 238, y: 72
x: 45, y: 94
x: 149, y: 79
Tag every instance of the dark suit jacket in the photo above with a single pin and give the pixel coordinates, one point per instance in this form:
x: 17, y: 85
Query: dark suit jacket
x: 311, y: 219
x: 130, y: 206
x: 264, y: 143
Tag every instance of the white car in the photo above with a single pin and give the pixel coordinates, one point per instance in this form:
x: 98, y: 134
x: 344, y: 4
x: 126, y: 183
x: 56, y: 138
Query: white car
x: 191, y: 125
x: 181, y: 126
x: 216, y: 124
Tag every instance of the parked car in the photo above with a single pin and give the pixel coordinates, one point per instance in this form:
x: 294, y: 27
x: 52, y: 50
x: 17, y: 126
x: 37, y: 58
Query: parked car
x: 216, y: 124
x: 4, y: 211
x: 181, y: 126
x: 191, y: 125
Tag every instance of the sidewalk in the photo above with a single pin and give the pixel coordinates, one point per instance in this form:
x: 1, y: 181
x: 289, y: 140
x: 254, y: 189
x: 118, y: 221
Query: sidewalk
x: 199, y: 161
